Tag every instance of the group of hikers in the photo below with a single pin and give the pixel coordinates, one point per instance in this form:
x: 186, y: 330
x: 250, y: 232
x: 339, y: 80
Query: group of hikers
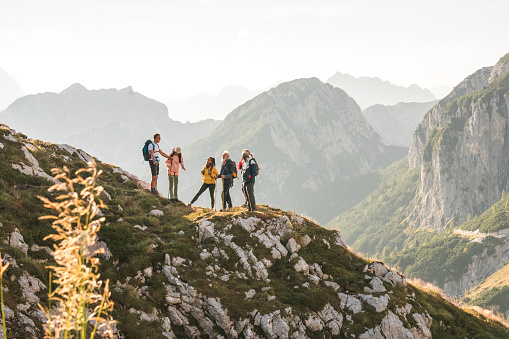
x: 247, y: 167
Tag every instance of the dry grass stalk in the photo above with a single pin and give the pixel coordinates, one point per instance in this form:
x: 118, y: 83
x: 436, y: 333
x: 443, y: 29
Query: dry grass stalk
x: 2, y: 270
x: 78, y: 302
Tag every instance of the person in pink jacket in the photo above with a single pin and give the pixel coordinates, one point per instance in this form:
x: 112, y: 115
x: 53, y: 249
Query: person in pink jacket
x: 174, y: 162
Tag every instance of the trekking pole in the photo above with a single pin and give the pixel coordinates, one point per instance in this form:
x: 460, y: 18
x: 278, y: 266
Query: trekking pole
x: 215, y: 196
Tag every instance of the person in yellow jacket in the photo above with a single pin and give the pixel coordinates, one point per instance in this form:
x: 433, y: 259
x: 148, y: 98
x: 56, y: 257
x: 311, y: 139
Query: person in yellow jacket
x: 209, y: 173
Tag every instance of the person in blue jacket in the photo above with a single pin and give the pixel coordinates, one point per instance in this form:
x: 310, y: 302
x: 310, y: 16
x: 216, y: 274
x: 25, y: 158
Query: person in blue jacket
x: 248, y: 180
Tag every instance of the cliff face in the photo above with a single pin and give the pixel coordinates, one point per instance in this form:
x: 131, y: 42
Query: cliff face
x: 462, y: 148
x: 179, y: 272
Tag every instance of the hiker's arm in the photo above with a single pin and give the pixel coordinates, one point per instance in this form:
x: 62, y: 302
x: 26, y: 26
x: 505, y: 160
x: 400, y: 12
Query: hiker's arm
x: 163, y: 154
x: 182, y: 164
x: 152, y: 155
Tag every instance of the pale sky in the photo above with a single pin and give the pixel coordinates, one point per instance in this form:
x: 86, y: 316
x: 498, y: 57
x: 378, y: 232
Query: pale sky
x: 180, y: 48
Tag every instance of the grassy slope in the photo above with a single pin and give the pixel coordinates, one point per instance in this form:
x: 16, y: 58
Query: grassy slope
x: 134, y: 250
x: 494, y: 291
x: 366, y: 225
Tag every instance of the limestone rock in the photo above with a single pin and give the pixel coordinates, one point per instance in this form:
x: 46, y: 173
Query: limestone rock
x: 306, y: 240
x: 251, y: 293
x: 29, y: 287
x: 302, y: 266
x: 205, y: 230
x: 379, y: 303
x: 333, y: 285
x: 395, y: 279
x: 314, y: 323
x: 156, y: 213
x: 350, y: 302
x: 377, y: 286
x: 292, y: 246
x: 16, y: 240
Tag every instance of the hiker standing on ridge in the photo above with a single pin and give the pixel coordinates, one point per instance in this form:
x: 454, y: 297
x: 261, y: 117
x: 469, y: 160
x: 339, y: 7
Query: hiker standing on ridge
x: 209, y: 173
x: 174, y: 162
x: 248, y: 179
x: 228, y: 172
x: 241, y: 169
x: 155, y: 152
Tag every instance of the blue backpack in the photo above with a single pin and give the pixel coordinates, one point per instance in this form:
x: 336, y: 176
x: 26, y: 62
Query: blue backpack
x: 144, y: 150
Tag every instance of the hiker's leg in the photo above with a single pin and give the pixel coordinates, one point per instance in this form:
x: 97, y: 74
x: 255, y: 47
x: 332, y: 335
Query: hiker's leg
x: 223, y: 195
x: 154, y: 172
x: 175, y: 186
x: 244, y: 192
x: 170, y: 188
x: 202, y: 189
x: 250, y: 197
x: 227, y: 193
x: 211, y: 190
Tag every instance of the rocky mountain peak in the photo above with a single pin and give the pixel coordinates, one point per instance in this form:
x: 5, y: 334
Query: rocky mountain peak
x: 74, y: 89
x: 500, y: 68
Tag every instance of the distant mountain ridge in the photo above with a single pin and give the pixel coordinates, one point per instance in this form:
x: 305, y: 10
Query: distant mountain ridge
x: 396, y: 124
x: 368, y: 91
x: 112, y: 123
x: 308, y: 137
x: 9, y: 90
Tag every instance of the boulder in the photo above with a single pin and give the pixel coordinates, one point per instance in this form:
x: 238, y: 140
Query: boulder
x: 16, y: 240
x: 292, y: 246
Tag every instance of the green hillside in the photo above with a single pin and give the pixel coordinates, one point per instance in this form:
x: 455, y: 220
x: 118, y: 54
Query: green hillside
x: 170, y: 277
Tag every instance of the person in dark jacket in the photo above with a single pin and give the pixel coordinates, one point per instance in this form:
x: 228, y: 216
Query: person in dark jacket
x: 226, y: 174
x: 248, y: 180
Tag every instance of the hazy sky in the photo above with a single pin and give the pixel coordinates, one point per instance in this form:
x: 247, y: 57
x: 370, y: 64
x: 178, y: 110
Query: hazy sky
x: 180, y: 48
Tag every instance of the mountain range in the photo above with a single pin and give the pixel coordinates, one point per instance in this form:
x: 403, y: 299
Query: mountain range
x: 311, y: 142
x: 111, y: 123
x: 9, y: 90
x: 176, y: 272
x: 396, y: 124
x: 368, y: 91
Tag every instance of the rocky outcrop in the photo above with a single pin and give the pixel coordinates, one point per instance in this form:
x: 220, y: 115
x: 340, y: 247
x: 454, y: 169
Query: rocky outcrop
x: 462, y: 147
x: 479, y: 269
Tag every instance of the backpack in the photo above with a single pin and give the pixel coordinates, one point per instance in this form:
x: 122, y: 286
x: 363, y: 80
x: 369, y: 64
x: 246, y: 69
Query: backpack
x: 234, y: 170
x: 257, y: 168
x: 144, y: 150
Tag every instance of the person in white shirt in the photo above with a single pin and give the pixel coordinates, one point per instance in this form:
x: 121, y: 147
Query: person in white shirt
x: 155, y: 153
